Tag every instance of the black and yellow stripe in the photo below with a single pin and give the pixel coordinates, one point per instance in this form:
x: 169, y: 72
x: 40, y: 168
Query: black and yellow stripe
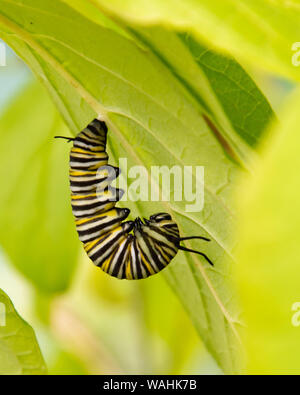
x: 124, y: 249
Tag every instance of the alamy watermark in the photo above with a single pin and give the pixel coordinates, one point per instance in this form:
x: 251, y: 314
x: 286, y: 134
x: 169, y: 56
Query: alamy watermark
x: 2, y: 315
x: 296, y: 55
x: 162, y: 183
x: 2, y: 55
x: 296, y: 315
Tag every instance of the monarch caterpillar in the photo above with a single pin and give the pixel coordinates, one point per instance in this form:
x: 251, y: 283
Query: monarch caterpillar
x: 124, y: 249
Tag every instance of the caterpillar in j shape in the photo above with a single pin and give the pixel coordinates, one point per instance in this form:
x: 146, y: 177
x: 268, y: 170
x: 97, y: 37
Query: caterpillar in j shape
x: 129, y: 250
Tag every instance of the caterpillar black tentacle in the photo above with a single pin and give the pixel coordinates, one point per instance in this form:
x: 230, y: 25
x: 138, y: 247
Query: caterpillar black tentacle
x: 124, y: 249
x: 65, y: 137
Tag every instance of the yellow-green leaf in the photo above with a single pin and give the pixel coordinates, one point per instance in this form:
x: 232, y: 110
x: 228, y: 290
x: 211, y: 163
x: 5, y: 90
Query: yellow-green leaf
x: 269, y: 249
x: 19, y: 350
x: 258, y: 31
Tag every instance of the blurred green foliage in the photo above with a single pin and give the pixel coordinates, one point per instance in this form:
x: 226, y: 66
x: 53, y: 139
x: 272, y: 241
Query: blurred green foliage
x: 36, y: 228
x: 268, y: 270
x: 19, y: 351
x: 258, y: 31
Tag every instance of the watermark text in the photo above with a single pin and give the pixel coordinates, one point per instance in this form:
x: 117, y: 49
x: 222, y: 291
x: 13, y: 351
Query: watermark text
x: 2, y: 55
x: 296, y: 55
x: 162, y: 183
x: 2, y: 314
x: 296, y: 315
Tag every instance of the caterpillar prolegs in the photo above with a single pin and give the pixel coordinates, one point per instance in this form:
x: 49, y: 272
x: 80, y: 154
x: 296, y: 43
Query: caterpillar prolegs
x: 124, y: 249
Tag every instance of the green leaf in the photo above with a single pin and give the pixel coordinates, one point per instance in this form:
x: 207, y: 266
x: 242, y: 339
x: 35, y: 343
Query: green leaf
x: 269, y: 239
x: 36, y: 226
x: 258, y: 31
x: 218, y: 83
x: 154, y: 118
x: 19, y: 350
x: 90, y: 11
x: 246, y: 108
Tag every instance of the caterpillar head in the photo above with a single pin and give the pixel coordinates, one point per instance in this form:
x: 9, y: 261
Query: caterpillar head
x: 156, y: 218
x: 161, y: 221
